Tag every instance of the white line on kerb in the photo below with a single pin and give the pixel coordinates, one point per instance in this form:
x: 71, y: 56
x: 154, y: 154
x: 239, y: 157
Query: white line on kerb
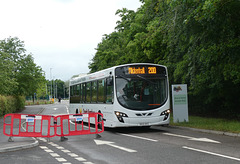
x: 143, y: 138
x: 208, y: 152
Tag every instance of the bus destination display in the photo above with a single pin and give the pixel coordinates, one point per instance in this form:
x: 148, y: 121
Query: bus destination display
x: 142, y: 70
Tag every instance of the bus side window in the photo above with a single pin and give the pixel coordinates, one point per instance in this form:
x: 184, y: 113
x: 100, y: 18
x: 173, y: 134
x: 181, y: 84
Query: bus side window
x: 101, y: 91
x: 83, y: 92
x: 88, y: 91
x: 71, y: 91
x: 109, y: 92
x: 94, y: 91
x: 71, y: 94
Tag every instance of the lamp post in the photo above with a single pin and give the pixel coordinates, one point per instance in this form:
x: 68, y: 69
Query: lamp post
x: 51, y: 82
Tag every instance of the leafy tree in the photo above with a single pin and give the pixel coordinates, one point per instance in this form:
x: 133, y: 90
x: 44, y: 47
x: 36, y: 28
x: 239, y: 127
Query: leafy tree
x: 59, y: 88
x: 29, y: 77
x: 7, y: 81
x: 19, y: 74
x: 198, y: 41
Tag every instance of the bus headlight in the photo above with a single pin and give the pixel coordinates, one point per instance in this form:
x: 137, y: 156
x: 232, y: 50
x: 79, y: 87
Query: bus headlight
x: 165, y: 114
x: 120, y: 116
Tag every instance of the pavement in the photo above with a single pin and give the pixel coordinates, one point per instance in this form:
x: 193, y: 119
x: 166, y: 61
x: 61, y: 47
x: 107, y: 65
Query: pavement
x: 20, y: 143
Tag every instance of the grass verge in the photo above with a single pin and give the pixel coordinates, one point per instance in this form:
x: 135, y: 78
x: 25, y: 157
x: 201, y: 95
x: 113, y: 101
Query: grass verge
x: 210, y: 124
x: 38, y: 102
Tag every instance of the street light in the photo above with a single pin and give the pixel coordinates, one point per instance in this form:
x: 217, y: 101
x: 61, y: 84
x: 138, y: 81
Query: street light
x: 51, y: 81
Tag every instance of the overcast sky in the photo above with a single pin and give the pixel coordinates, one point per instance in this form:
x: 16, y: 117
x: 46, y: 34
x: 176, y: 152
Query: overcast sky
x: 61, y: 34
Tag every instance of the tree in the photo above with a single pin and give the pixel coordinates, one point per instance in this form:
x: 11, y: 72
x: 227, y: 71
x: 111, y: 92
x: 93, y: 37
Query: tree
x: 19, y: 74
x: 29, y: 77
x: 10, y: 51
x: 199, y: 42
x: 7, y: 81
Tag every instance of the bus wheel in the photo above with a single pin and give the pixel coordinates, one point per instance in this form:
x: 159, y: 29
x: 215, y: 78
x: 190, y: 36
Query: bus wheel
x: 77, y: 111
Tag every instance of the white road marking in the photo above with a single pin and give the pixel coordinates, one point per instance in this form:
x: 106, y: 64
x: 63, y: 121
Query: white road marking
x: 211, y: 153
x: 66, y: 151
x: 54, y: 154
x: 100, y: 142
x: 143, y: 138
x: 67, y: 109
x: 48, y: 150
x: 73, y: 154
x: 192, y: 138
x: 80, y: 159
x: 43, y: 139
x: 204, y: 140
x: 176, y: 135
x: 61, y: 159
x: 53, y: 144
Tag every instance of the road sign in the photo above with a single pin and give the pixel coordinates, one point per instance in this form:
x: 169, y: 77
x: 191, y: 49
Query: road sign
x: 180, y: 103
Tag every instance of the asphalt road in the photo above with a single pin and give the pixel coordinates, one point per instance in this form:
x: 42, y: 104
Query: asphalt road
x: 155, y: 145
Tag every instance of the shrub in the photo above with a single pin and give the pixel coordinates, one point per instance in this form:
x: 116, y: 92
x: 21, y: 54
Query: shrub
x: 11, y: 104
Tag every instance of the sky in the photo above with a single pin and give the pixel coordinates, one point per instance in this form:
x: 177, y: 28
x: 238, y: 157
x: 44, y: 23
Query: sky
x: 61, y: 35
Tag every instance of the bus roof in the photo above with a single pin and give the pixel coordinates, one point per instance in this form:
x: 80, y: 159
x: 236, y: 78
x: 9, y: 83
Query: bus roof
x: 103, y: 73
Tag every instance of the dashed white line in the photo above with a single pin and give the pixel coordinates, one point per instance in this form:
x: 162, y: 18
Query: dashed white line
x: 211, y: 153
x: 73, y: 154
x: 80, y: 159
x: 43, y: 147
x: 42, y: 139
x: 53, y: 144
x: 48, y: 150
x: 61, y: 159
x: 66, y: 151
x: 54, y: 154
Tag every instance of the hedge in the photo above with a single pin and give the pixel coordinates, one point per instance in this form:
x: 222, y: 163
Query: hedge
x: 11, y: 104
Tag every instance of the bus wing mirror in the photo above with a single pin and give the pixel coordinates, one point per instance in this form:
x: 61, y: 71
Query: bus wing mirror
x: 110, y: 81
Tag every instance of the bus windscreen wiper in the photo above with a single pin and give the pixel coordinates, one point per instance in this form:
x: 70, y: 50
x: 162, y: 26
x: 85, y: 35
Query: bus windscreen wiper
x: 146, y: 79
x: 124, y: 77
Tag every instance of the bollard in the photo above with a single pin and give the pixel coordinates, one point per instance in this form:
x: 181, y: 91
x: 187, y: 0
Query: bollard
x: 62, y: 138
x: 10, y: 139
x: 98, y: 136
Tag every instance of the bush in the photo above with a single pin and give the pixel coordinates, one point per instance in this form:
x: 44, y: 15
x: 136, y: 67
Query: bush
x: 11, y: 104
x: 20, y: 102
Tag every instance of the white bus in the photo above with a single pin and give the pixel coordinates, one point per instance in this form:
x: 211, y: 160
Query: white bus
x: 127, y: 95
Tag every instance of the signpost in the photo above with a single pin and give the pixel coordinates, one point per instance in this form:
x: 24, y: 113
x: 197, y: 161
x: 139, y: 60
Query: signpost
x: 180, y: 103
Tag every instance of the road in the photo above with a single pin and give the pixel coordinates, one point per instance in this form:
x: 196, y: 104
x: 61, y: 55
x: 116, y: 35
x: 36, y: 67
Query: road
x: 153, y: 145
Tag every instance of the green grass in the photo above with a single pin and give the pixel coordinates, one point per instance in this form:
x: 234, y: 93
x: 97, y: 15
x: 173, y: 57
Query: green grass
x: 210, y: 124
x: 38, y: 102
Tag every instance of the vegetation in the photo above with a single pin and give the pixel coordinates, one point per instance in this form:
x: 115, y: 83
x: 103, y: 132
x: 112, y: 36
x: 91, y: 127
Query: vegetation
x: 11, y: 104
x: 38, y: 102
x: 19, y: 75
x: 198, y: 40
x: 217, y: 124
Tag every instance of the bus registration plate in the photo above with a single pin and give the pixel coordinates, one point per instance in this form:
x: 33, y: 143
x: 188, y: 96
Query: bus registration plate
x: 144, y: 124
